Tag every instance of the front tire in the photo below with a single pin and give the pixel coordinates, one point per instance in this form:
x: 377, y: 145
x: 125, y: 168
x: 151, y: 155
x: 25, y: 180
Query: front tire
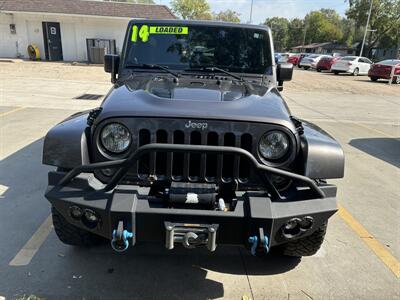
x: 306, y: 246
x: 72, y: 235
x: 356, y: 72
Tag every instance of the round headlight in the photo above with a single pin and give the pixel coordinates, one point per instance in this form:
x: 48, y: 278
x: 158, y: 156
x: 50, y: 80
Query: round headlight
x: 115, y: 138
x: 274, y: 145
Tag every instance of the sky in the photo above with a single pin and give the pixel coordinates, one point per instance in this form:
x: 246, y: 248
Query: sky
x: 263, y: 9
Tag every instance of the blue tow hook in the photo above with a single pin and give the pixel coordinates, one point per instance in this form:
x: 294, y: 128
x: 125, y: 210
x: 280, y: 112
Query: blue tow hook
x: 121, y: 243
x: 253, y: 240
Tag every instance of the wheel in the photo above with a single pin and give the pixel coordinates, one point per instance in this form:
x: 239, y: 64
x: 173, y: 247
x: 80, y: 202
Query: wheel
x: 335, y: 72
x: 374, y: 78
x: 396, y: 80
x: 306, y: 246
x: 356, y: 72
x: 318, y: 70
x: 72, y: 235
x: 306, y: 68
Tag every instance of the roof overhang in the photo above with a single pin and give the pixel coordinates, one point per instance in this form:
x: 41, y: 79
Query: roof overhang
x: 68, y: 15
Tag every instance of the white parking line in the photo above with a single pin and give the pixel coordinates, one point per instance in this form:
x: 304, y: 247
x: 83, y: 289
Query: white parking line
x: 3, y: 189
x: 25, y: 255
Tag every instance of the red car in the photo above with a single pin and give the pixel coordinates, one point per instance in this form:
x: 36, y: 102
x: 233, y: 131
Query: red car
x: 325, y: 63
x: 294, y: 59
x: 383, y: 69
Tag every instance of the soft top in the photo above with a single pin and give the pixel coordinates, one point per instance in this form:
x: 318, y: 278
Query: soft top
x: 198, y: 23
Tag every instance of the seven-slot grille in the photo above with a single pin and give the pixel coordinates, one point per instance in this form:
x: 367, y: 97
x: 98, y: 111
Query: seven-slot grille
x: 194, y: 167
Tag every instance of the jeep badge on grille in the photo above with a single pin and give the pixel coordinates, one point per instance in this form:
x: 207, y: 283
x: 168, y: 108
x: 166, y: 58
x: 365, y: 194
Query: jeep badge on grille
x: 194, y: 125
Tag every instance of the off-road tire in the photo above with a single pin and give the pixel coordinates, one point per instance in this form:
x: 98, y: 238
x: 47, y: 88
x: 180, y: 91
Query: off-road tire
x: 72, y: 235
x: 306, y: 246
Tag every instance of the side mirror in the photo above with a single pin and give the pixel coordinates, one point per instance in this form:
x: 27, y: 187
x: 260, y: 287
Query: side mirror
x: 111, y: 65
x: 284, y: 72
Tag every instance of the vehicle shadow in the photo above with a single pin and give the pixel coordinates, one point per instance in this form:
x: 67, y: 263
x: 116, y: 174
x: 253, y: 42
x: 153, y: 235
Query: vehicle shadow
x: 58, y: 271
x: 386, y: 149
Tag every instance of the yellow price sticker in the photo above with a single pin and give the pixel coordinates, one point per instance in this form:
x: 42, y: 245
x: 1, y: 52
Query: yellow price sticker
x: 145, y: 30
x: 168, y: 30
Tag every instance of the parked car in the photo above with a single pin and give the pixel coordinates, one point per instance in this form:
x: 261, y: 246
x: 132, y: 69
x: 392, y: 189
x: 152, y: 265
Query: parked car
x: 162, y: 160
x: 284, y: 58
x: 307, y: 62
x: 318, y: 59
x: 325, y: 63
x: 383, y: 69
x: 302, y: 56
x: 355, y: 65
x: 294, y: 59
x: 277, y: 57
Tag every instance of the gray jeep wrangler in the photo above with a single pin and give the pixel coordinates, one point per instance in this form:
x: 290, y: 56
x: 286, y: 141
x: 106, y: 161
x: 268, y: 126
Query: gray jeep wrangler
x: 193, y: 145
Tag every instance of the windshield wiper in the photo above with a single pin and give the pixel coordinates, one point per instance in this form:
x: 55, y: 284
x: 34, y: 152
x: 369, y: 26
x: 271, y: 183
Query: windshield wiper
x: 216, y: 69
x: 153, y: 66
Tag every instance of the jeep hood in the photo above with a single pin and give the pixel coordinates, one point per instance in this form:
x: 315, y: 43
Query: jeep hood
x: 196, y: 97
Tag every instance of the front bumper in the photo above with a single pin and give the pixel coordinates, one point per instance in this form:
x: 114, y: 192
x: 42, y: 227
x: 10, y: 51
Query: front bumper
x: 254, y: 212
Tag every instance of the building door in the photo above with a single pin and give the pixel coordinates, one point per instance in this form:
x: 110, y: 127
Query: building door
x: 52, y: 41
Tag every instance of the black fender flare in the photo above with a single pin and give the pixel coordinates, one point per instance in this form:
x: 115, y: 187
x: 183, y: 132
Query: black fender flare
x: 323, y: 155
x: 66, y: 144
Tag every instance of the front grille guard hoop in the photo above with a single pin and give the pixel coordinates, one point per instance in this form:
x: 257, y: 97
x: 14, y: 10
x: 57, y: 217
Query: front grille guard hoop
x: 123, y: 166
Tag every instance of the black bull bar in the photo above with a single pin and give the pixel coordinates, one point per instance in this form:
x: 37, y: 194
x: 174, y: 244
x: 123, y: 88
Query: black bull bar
x: 123, y: 166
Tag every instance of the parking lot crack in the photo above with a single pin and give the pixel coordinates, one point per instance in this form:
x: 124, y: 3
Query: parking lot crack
x: 247, y: 274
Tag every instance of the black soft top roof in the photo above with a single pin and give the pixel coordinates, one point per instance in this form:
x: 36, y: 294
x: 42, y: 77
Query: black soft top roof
x: 200, y: 23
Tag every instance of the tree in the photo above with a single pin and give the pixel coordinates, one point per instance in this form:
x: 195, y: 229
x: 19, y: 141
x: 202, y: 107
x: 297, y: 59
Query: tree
x: 295, y: 32
x: 192, y: 9
x: 385, y: 20
x: 227, y: 16
x: 280, y: 32
x: 323, y: 26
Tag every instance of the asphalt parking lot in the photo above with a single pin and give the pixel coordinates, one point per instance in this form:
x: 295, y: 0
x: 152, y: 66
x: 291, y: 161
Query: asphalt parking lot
x: 360, y: 256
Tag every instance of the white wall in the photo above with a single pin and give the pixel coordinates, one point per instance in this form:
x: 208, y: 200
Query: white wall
x: 74, y: 32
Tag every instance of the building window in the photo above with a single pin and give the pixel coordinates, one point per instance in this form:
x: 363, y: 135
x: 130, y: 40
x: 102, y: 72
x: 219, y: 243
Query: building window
x: 13, y: 30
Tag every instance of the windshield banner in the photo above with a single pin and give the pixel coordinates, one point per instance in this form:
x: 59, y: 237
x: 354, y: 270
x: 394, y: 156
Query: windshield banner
x: 145, y: 30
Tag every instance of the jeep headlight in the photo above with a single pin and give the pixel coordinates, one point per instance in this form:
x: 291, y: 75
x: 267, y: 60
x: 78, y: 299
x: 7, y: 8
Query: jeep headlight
x: 115, y: 138
x: 274, y: 145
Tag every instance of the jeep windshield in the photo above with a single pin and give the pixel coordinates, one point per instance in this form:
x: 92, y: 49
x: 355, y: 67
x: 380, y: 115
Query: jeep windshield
x: 189, y: 47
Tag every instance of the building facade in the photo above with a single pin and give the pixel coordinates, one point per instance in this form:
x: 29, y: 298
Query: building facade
x: 60, y: 29
x: 325, y: 48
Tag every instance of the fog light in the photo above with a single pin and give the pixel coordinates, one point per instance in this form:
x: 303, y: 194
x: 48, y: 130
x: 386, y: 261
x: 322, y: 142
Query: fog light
x: 75, y: 212
x: 91, y: 216
x: 108, y: 172
x: 291, y: 228
x: 306, y: 223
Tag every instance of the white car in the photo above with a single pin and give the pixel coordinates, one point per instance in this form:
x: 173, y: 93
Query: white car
x: 355, y: 65
x: 311, y: 61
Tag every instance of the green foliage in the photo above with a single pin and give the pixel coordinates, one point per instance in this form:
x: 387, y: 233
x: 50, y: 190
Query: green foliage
x: 227, y: 16
x: 323, y: 26
x: 280, y: 31
x: 192, y: 9
x: 385, y: 20
x: 295, y: 32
